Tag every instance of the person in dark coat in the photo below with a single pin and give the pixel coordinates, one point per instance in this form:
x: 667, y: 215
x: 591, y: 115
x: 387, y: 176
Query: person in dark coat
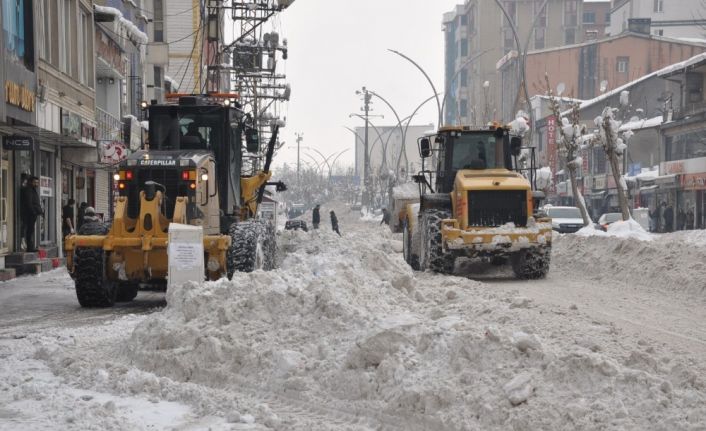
x: 316, y: 217
x: 681, y: 219
x: 385, y: 217
x: 668, y: 218
x: 81, y: 213
x: 67, y: 218
x: 92, y: 224
x: 30, y: 209
x: 690, y: 219
x: 334, y: 223
x: 654, y: 216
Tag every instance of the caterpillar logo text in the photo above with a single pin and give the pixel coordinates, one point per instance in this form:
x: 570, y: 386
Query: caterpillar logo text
x: 151, y: 162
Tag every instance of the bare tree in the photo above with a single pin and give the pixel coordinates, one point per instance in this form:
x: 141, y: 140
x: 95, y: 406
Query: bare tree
x: 614, y: 146
x: 571, y: 133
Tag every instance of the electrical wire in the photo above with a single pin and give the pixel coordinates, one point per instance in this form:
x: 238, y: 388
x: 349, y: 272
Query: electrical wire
x: 145, y: 44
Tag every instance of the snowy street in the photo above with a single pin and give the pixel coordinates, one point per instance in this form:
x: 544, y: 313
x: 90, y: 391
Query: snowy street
x: 345, y: 336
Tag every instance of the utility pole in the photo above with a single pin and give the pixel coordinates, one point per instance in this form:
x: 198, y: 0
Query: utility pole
x: 300, y: 138
x: 366, y: 157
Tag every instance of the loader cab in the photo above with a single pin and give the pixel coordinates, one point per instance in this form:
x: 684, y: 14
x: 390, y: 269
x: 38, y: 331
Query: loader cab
x: 461, y: 148
x: 195, y: 126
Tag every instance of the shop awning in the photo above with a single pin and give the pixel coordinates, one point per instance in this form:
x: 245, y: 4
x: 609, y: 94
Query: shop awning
x: 649, y: 188
x: 666, y: 180
x: 597, y: 195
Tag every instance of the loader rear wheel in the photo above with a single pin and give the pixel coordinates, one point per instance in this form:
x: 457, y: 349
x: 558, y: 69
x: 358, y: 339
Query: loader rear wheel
x: 409, y: 256
x: 127, y: 292
x: 531, y: 263
x: 432, y: 251
x: 92, y: 288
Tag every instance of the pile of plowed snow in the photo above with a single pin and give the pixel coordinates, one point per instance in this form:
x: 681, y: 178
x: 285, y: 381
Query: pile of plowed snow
x: 345, y: 325
x: 669, y: 262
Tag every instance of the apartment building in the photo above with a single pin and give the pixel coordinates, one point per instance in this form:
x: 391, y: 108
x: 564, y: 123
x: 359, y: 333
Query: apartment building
x: 668, y: 18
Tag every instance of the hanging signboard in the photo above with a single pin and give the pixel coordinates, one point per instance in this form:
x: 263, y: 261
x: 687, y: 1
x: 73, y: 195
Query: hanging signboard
x: 17, y: 143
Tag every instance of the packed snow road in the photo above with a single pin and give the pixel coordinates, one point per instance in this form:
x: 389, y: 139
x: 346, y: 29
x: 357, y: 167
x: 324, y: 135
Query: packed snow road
x: 344, y: 336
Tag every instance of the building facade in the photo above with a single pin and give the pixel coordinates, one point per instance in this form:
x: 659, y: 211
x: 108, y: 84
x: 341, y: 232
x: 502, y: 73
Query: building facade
x: 185, y: 71
x: 668, y: 18
x: 475, y: 91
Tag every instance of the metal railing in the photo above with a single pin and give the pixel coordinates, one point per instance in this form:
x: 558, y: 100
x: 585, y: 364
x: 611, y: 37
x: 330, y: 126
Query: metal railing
x: 688, y: 109
x: 109, y: 127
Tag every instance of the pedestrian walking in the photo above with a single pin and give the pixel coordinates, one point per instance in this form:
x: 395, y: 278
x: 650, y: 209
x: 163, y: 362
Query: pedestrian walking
x: 681, y: 219
x: 690, y: 218
x: 67, y: 218
x: 316, y: 217
x: 334, y: 223
x: 385, y: 217
x: 30, y: 209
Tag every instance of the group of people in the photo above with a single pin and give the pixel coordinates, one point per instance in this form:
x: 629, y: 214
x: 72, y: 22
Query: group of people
x: 316, y: 219
x: 86, y: 214
x: 662, y: 218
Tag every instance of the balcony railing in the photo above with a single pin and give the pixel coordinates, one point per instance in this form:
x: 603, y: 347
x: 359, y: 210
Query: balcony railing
x: 109, y: 128
x: 689, y: 109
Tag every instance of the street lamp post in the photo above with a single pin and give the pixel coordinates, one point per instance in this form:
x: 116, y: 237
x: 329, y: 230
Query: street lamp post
x: 300, y: 138
x: 436, y: 93
x: 399, y: 121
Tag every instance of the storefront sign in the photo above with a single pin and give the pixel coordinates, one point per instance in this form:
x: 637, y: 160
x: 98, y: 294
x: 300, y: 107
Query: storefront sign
x: 551, y: 148
x: 17, y: 143
x: 46, y: 187
x: 686, y: 166
x: 693, y: 181
x: 110, y: 51
x: 20, y: 96
x: 599, y: 182
x: 112, y: 152
x: 70, y: 124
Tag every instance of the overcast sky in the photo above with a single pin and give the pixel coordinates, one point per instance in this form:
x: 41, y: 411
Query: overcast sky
x: 336, y: 47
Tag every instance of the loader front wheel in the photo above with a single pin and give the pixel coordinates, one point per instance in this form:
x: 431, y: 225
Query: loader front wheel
x: 531, y: 263
x: 92, y: 287
x: 253, y: 247
x: 433, y: 256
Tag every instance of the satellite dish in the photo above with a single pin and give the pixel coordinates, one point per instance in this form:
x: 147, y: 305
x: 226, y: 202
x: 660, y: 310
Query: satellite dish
x: 560, y: 88
x: 604, y: 86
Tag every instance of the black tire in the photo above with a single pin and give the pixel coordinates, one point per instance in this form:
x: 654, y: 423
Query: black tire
x: 432, y: 252
x: 253, y: 247
x: 531, y: 263
x: 409, y: 257
x: 93, y: 289
x: 127, y: 292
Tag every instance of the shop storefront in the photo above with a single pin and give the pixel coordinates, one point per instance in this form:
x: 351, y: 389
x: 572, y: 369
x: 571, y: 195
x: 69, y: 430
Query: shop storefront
x: 688, y: 186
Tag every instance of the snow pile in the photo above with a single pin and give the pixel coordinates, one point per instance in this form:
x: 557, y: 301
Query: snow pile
x: 668, y: 263
x: 134, y: 34
x: 406, y: 191
x: 346, y: 326
x: 621, y: 229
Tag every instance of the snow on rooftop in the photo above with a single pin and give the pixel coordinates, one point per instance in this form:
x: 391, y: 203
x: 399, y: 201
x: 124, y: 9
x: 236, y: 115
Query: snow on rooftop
x: 642, y: 124
x: 682, y: 65
x: 137, y: 35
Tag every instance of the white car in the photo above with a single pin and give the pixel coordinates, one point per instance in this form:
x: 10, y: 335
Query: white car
x: 565, y: 219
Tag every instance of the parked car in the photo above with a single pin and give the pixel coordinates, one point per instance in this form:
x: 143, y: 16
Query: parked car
x: 295, y: 225
x: 565, y: 219
x: 608, y: 218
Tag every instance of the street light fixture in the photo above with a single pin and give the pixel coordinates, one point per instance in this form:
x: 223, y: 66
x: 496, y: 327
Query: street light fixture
x: 431, y: 83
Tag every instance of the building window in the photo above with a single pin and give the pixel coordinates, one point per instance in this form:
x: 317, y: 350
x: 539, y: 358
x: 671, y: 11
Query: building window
x: 45, y: 33
x: 464, y: 78
x: 589, y: 17
x: 539, y: 35
x: 463, y: 108
x: 158, y: 21
x: 622, y: 64
x: 571, y: 13
x: 66, y: 28
x: 464, y: 48
x: 541, y: 15
x: 607, y: 17
x: 17, y: 26
x: 83, y: 51
x: 508, y: 40
x: 659, y: 5
x: 158, y: 77
x: 464, y: 20
x: 570, y: 36
x: 511, y: 9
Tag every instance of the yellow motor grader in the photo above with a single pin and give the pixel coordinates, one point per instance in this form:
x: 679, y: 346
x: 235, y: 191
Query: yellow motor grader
x: 191, y: 172
x: 477, y: 201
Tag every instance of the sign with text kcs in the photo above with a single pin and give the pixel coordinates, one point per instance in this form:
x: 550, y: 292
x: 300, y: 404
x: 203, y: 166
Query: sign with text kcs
x: 17, y: 143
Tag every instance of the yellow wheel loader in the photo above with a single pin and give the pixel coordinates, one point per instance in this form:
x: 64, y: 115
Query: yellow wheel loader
x: 478, y: 201
x: 191, y: 172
